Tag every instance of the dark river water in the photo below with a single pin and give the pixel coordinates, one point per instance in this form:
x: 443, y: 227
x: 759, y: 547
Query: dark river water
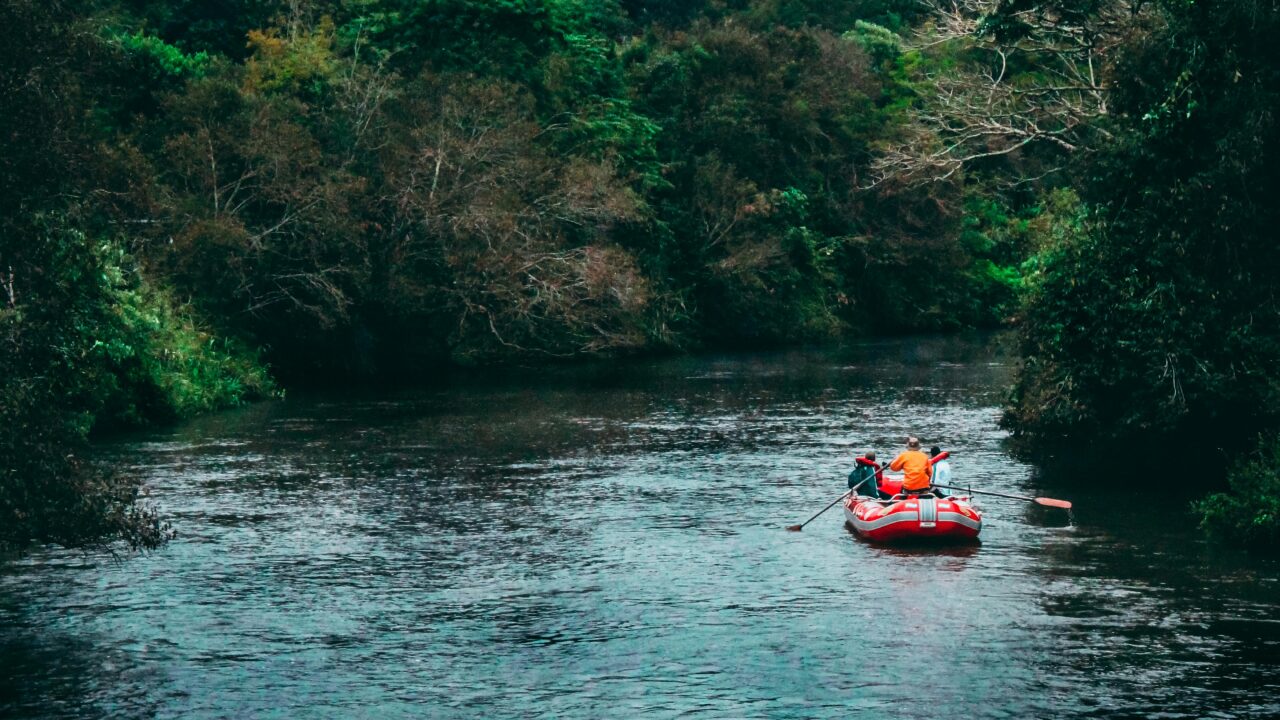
x: 609, y: 542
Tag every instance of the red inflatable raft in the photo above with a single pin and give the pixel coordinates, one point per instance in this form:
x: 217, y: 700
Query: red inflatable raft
x: 913, y: 517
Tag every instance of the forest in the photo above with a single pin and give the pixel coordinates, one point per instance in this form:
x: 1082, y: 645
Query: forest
x: 205, y: 203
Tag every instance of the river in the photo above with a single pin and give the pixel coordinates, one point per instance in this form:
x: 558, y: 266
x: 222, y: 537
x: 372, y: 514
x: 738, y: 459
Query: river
x: 608, y: 541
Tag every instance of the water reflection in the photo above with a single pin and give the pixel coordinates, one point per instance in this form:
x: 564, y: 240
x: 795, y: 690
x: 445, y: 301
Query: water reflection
x: 608, y: 541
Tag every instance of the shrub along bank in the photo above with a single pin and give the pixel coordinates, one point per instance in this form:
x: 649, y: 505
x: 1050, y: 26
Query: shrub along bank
x: 1249, y: 514
x: 90, y: 343
x: 1154, y: 321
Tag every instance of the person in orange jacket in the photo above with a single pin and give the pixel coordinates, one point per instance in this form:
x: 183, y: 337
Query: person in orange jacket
x: 917, y: 473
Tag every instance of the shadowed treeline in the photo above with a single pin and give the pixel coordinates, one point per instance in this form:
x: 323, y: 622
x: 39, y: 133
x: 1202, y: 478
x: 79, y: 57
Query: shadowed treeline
x: 345, y: 190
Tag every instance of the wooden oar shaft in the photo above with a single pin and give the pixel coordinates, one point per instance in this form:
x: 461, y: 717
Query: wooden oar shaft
x: 987, y: 492
x: 1040, y: 501
x: 833, y: 503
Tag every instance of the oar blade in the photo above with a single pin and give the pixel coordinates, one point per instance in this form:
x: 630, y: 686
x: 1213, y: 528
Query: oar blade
x: 1050, y: 502
x: 795, y: 528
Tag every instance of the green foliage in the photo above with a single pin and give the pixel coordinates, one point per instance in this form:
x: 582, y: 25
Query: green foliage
x: 506, y: 38
x: 881, y: 43
x: 51, y: 293
x: 161, y: 363
x: 1160, y: 317
x: 756, y: 136
x: 307, y: 187
x: 1248, y: 515
x: 611, y: 129
x: 163, y: 59
x: 668, y: 13
x: 48, y: 395
x: 336, y: 201
x: 997, y: 241
x: 201, y: 26
x: 89, y: 344
x: 833, y: 16
x: 774, y: 281
x: 304, y: 64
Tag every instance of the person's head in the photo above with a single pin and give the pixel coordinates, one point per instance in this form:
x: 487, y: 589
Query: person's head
x: 935, y: 451
x: 913, y: 443
x: 871, y: 455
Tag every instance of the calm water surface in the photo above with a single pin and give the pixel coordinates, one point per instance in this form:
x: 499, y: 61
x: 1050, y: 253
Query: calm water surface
x: 609, y: 542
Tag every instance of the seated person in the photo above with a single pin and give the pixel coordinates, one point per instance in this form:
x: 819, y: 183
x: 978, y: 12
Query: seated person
x: 870, y: 474
x: 917, y: 472
x: 941, y: 470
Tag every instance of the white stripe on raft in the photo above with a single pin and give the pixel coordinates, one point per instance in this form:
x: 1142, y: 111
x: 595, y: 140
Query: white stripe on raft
x: 890, y: 519
x: 960, y: 518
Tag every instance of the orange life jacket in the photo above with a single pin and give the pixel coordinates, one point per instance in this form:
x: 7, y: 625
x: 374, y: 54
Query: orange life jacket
x: 916, y: 470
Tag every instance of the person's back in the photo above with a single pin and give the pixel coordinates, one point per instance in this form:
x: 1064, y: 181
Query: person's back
x: 915, y: 467
x: 942, y: 472
x: 941, y: 468
x: 866, y: 475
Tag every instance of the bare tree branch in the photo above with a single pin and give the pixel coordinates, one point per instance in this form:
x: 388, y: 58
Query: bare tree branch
x: 983, y: 107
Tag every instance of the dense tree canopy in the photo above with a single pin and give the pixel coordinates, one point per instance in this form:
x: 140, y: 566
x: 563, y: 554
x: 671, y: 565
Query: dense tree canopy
x: 1159, y: 315
x: 192, y: 191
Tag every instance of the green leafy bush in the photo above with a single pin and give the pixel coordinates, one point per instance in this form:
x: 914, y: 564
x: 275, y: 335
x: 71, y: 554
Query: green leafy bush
x: 50, y: 390
x: 87, y: 343
x: 162, y: 362
x: 1249, y: 514
x: 161, y: 59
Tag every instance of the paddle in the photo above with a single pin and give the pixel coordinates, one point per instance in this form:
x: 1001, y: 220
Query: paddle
x: 1047, y: 502
x: 798, y: 528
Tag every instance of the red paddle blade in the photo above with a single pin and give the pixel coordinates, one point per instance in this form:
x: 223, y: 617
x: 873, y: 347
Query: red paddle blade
x: 1050, y: 502
x: 795, y: 528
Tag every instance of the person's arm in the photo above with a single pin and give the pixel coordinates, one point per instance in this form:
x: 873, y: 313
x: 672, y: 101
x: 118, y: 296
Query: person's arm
x: 896, y: 465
